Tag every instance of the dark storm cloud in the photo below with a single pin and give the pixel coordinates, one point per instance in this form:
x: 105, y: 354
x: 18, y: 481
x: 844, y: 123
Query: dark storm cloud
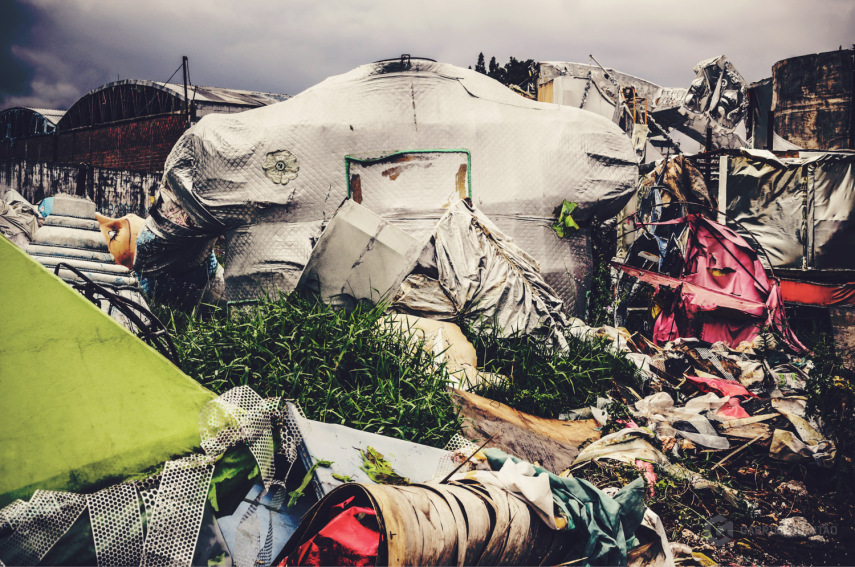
x: 15, y: 22
x: 286, y: 46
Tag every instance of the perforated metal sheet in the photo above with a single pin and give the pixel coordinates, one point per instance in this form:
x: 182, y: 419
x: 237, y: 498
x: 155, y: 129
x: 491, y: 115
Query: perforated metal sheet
x: 39, y: 525
x: 458, y: 448
x: 10, y: 512
x: 117, y: 525
x: 239, y: 415
x: 178, y: 510
x: 147, y: 489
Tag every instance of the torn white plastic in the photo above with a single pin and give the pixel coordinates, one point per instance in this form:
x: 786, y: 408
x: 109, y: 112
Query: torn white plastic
x: 483, y: 277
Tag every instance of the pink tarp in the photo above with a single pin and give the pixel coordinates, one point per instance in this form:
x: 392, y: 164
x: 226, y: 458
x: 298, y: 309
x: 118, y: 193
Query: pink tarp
x: 723, y: 293
x: 720, y: 386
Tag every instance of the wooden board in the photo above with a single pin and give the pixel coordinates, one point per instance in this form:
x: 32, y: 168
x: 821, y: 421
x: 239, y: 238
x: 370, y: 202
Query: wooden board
x: 550, y: 442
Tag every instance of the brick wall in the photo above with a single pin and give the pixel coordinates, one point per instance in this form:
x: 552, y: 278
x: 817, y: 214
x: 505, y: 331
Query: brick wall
x: 136, y: 145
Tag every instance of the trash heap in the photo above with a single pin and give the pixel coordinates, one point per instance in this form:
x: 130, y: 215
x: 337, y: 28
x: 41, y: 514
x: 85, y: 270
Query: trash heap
x: 722, y: 378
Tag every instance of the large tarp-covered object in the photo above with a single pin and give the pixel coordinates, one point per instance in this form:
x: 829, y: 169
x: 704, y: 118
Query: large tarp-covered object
x: 82, y: 400
x: 800, y: 210
x: 404, y: 137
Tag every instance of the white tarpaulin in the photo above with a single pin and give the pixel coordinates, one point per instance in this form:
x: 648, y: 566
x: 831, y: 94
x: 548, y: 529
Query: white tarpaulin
x: 269, y: 178
x: 482, y: 276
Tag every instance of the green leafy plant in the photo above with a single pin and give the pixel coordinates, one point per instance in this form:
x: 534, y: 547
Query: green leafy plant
x: 378, y: 469
x: 352, y: 368
x: 298, y: 492
x: 565, y: 221
x: 545, y: 380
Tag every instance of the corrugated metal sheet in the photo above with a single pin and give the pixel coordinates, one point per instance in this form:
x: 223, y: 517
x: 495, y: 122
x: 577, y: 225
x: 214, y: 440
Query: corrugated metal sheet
x: 50, y: 113
x: 219, y: 95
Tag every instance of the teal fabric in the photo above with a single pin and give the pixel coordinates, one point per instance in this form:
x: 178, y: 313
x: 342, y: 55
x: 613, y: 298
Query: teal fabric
x: 600, y: 525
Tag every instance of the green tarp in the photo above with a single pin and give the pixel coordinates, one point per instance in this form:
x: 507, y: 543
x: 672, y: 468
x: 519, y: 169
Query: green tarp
x: 83, y: 402
x: 604, y: 526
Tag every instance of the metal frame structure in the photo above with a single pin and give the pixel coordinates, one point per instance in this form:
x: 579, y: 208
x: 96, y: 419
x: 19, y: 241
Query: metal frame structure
x: 149, y: 327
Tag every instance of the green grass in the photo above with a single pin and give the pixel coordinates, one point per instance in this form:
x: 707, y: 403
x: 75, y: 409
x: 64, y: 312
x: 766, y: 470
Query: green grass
x: 345, y: 368
x: 543, y: 380
x: 351, y: 369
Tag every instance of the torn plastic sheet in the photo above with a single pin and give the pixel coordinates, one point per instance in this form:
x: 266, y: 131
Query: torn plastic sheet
x: 809, y: 443
x: 631, y: 444
x: 732, y: 409
x: 667, y: 420
x: 484, y: 277
x: 787, y: 447
x: 800, y: 210
x: 19, y: 220
x: 724, y: 294
x: 658, y: 552
x: 359, y: 258
x: 720, y: 386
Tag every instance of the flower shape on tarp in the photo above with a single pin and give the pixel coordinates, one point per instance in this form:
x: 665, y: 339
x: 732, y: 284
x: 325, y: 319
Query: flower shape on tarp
x: 281, y: 167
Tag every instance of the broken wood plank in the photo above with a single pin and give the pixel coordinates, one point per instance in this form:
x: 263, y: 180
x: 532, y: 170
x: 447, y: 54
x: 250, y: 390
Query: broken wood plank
x: 551, y: 442
x: 735, y: 451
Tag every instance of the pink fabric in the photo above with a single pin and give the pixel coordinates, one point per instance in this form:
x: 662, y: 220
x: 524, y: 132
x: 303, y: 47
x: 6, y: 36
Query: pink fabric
x: 732, y: 409
x: 719, y: 259
x: 720, y: 386
x: 649, y: 474
x: 724, y: 294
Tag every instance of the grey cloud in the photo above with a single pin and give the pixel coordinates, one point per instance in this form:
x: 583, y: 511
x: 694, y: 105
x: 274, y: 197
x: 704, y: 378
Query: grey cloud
x: 286, y: 46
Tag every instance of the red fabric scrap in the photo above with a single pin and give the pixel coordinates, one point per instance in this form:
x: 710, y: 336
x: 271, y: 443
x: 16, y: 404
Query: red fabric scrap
x: 818, y: 294
x: 720, y: 386
x: 350, y: 538
x: 732, y: 409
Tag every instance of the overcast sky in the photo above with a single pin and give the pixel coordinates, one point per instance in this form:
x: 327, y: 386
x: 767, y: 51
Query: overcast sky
x: 54, y: 51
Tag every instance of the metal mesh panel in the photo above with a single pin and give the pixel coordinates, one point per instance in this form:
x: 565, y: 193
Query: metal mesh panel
x: 39, y: 525
x: 290, y: 437
x: 10, y: 513
x: 239, y: 415
x: 709, y: 355
x: 459, y: 448
x: 148, y: 494
x: 117, y: 525
x: 178, y: 511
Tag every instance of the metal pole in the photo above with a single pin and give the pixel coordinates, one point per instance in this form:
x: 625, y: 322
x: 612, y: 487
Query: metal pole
x: 186, y: 102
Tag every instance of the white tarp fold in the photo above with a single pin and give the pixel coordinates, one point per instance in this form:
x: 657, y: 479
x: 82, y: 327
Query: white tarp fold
x: 481, y: 276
